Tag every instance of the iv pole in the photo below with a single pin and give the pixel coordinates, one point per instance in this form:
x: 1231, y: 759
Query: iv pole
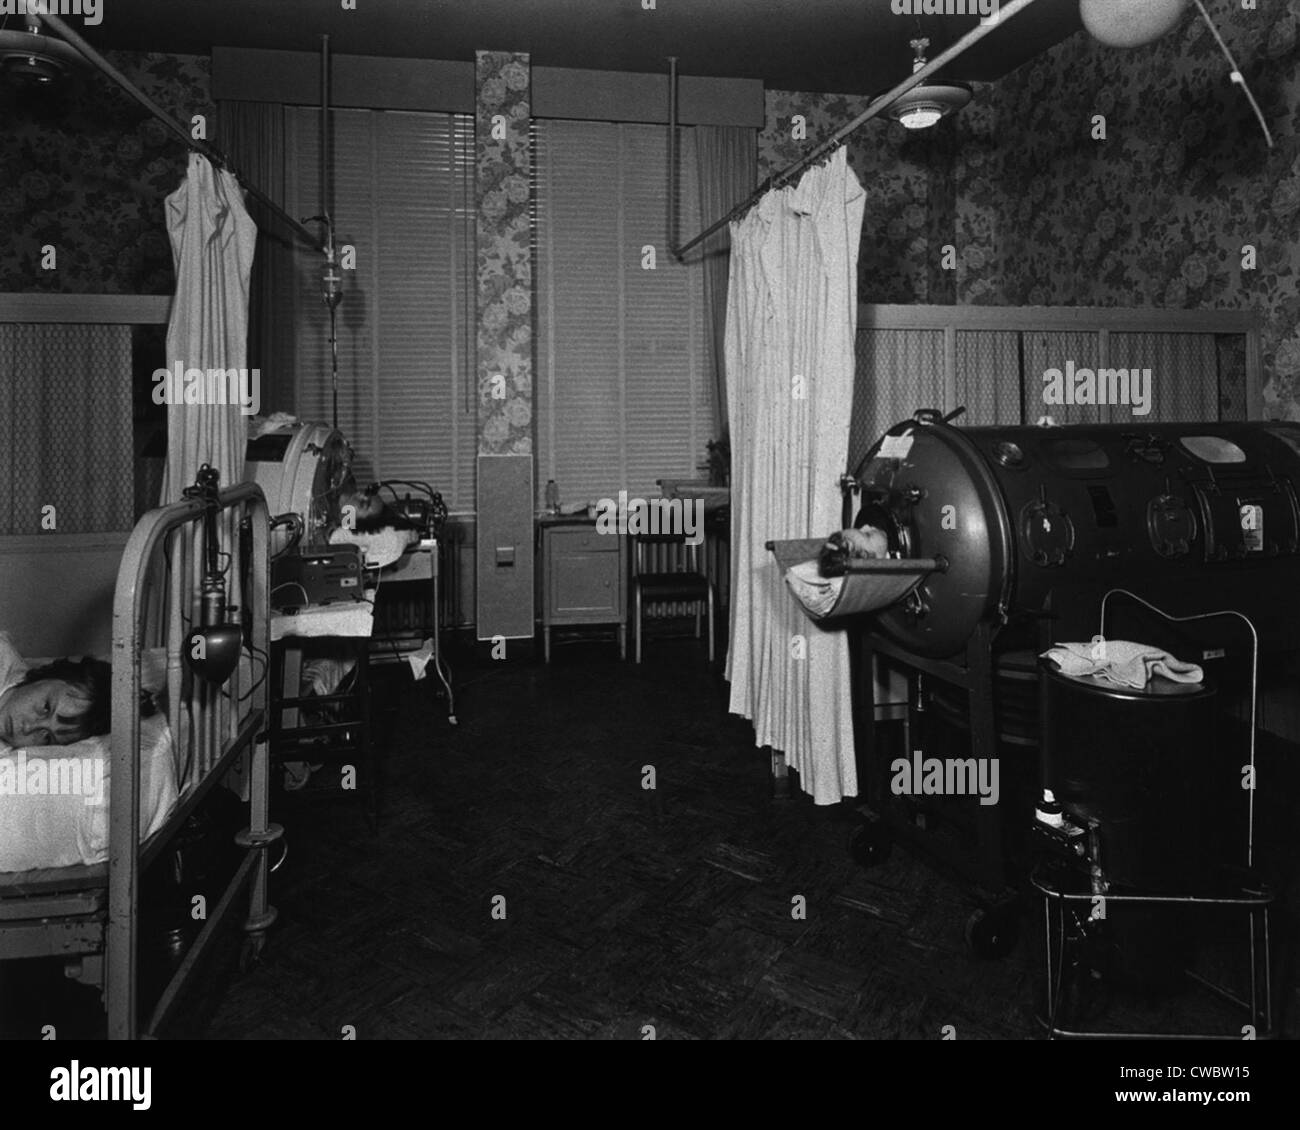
x: 331, y: 281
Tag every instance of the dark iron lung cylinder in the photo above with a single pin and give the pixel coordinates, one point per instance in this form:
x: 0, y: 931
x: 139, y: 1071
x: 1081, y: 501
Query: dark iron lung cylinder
x: 1138, y: 763
x: 1035, y: 524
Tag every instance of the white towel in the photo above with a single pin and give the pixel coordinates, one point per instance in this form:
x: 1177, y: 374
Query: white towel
x: 346, y: 618
x: 1121, y: 662
x: 259, y: 426
x: 419, y: 660
x: 380, y: 548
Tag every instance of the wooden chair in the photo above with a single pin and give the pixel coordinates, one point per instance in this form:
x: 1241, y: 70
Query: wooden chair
x: 682, y: 580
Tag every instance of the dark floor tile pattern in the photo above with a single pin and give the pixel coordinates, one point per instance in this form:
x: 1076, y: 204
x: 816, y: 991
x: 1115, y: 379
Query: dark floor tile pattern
x: 624, y: 907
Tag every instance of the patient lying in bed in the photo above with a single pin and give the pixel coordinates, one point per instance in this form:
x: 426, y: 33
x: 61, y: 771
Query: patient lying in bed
x: 54, y: 763
x: 54, y: 705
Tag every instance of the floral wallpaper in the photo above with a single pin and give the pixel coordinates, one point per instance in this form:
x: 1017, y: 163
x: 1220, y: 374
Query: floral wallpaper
x: 1157, y: 214
x: 94, y: 169
x: 505, y: 269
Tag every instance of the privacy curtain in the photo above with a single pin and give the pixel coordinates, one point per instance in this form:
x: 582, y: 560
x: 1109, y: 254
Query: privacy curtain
x: 791, y: 314
x: 212, y: 239
x: 726, y: 159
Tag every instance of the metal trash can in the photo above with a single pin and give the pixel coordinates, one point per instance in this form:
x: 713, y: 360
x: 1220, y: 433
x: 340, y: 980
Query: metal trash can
x: 1136, y: 763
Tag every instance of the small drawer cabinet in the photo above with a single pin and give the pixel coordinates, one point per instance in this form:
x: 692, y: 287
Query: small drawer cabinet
x: 584, y: 578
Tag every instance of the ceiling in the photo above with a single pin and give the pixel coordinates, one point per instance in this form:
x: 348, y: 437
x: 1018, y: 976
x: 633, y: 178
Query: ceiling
x: 844, y: 46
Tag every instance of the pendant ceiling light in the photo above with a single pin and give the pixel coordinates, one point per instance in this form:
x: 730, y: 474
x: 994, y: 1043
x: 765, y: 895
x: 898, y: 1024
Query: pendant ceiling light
x: 31, y: 60
x: 924, y: 105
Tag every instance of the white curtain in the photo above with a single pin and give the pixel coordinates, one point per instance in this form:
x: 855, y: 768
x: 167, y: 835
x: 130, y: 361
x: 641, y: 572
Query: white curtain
x: 212, y: 239
x: 791, y: 319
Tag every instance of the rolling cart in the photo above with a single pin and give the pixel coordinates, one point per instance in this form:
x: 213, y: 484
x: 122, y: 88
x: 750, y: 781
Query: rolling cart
x: 330, y: 729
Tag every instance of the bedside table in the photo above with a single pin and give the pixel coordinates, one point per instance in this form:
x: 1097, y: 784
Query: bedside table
x: 584, y: 578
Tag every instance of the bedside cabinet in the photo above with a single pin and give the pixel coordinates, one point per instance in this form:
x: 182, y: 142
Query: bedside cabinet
x: 584, y: 578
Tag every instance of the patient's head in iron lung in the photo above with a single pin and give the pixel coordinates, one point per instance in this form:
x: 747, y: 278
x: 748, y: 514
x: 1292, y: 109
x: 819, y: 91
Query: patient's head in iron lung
x: 369, y: 512
x: 58, y: 704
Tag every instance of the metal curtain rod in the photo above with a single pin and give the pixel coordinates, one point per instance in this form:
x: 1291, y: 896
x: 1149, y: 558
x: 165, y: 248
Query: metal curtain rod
x: 212, y: 154
x: 978, y: 32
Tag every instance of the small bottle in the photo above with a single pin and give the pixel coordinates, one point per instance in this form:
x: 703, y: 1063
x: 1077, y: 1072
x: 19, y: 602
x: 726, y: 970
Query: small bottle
x: 552, y: 496
x: 1049, y: 810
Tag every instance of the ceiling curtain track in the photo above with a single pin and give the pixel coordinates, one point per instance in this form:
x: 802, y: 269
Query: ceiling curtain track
x: 978, y: 32
x: 214, y: 155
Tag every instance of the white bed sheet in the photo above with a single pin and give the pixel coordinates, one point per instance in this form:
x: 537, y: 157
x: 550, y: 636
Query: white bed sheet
x: 63, y: 830
x: 51, y: 829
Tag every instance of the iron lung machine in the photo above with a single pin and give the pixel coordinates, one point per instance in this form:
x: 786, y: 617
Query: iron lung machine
x: 1025, y: 537
x: 303, y: 469
x: 1032, y: 521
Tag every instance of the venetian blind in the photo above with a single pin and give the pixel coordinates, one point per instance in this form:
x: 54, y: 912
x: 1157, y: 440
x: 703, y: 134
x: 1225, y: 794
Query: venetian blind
x: 404, y: 198
x: 622, y: 394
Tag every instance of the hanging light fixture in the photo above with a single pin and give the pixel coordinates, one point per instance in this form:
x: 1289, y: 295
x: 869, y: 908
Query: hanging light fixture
x: 924, y: 105
x: 31, y: 60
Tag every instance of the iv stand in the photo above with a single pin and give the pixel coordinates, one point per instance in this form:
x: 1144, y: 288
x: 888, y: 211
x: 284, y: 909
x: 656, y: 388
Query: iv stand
x: 331, y: 281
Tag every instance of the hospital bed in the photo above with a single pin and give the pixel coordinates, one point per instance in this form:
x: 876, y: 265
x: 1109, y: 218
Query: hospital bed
x: 160, y: 769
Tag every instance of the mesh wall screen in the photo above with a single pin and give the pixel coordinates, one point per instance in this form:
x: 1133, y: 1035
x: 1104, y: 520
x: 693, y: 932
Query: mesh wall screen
x: 1067, y: 351
x: 896, y: 372
x: 1183, y: 378
x: 1230, y: 350
x: 988, y: 377
x: 999, y: 377
x: 66, y: 428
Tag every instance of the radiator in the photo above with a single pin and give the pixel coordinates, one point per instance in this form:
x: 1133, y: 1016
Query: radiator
x: 403, y: 607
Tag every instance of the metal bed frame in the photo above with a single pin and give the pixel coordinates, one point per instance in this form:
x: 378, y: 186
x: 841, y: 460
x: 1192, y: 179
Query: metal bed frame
x: 90, y: 916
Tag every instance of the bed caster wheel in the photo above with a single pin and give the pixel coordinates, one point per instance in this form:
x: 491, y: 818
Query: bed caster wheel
x: 993, y: 933
x: 250, y: 953
x: 451, y: 718
x: 870, y: 846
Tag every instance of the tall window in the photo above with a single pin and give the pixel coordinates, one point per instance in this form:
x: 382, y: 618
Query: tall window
x: 404, y: 199
x: 622, y: 395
